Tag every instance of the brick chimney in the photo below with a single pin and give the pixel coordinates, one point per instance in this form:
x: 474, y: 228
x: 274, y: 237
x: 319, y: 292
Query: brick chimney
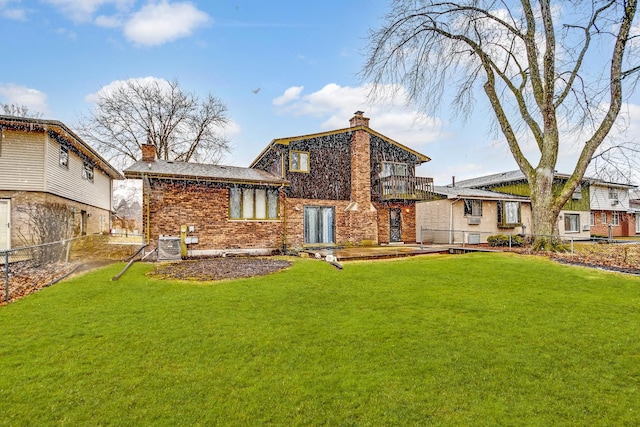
x: 361, y: 214
x: 359, y: 119
x: 148, y: 153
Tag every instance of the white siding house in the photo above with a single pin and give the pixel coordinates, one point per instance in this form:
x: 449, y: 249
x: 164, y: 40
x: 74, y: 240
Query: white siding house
x: 42, y: 161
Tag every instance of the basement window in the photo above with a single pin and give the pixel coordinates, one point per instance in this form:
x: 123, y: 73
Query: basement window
x: 253, y: 203
x: 299, y: 161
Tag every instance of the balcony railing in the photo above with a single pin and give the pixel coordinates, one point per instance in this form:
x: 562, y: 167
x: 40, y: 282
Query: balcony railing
x: 405, y: 188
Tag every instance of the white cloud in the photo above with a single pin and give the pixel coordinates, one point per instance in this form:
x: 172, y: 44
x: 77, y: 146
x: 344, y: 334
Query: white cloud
x: 15, y: 14
x: 289, y: 95
x: 105, y: 21
x: 117, y: 84
x: 162, y: 22
x: 33, y: 99
x: 83, y: 10
x: 389, y: 116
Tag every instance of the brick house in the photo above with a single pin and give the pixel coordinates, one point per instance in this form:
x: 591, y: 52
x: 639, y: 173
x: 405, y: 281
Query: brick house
x: 350, y: 186
x: 612, y: 210
x: 42, y: 162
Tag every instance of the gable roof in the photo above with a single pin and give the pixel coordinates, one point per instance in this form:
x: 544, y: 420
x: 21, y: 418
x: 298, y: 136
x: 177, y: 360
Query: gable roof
x: 202, y: 172
x: 473, y: 193
x: 286, y: 141
x: 517, y: 175
x: 61, y: 132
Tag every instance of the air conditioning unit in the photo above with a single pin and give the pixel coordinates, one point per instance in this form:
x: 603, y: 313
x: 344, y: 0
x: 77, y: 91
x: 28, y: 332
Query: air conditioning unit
x: 586, y: 227
x: 474, y: 238
x: 169, y: 248
x: 614, y: 202
x: 474, y: 220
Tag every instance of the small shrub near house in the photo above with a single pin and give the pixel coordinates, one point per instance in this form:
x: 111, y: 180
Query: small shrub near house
x: 505, y: 240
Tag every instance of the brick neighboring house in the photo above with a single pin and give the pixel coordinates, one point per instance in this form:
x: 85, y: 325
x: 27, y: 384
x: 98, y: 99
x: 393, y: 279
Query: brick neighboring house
x: 44, y: 162
x: 613, y: 210
x: 350, y: 186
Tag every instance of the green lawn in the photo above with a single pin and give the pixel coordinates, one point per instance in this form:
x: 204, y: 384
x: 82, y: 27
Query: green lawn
x: 478, y: 339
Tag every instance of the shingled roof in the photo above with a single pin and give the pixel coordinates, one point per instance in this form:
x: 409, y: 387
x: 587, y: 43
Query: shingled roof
x: 201, y: 172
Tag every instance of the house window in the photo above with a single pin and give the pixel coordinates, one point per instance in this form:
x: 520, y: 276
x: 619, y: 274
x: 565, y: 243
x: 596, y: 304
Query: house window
x: 472, y: 207
x: 87, y: 171
x: 572, y: 223
x: 613, y: 194
x: 64, y: 157
x: 604, y: 218
x: 508, y: 214
x: 253, y: 203
x: 394, y: 169
x: 318, y: 224
x: 299, y: 161
x: 615, y: 218
x: 592, y: 219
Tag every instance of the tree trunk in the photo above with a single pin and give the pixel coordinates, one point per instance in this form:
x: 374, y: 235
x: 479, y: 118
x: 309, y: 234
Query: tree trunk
x: 545, y: 210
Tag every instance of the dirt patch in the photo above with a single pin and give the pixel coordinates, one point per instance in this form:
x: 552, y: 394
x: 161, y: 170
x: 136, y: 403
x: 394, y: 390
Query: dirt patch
x: 219, y: 268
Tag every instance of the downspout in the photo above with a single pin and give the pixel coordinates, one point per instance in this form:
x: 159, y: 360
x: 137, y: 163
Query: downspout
x: 148, y: 204
x: 284, y: 221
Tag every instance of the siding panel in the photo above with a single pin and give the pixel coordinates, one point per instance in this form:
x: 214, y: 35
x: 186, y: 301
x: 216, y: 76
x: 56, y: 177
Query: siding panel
x: 21, y: 161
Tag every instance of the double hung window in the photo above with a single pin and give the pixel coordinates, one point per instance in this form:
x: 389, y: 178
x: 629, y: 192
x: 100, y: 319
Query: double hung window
x: 572, y: 223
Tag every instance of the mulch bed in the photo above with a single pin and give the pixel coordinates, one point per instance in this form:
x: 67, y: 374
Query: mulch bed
x: 219, y: 268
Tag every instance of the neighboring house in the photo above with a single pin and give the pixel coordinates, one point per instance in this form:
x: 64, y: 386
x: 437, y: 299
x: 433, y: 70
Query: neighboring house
x: 612, y: 209
x: 573, y: 220
x: 350, y: 186
x: 42, y: 162
x: 634, y: 203
x: 469, y: 216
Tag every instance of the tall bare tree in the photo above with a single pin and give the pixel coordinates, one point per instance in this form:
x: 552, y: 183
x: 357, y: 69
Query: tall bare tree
x: 19, y: 111
x: 549, y: 71
x: 134, y: 112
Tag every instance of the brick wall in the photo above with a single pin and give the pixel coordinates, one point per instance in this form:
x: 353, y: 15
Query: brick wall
x: 407, y: 225
x: 206, y: 207
x: 625, y: 228
x: 362, y: 218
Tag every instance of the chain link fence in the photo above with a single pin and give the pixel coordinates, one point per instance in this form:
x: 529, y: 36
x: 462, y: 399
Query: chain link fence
x: 30, y: 268
x: 621, y: 254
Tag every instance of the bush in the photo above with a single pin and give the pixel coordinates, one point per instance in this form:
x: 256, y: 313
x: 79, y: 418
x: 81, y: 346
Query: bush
x: 503, y: 240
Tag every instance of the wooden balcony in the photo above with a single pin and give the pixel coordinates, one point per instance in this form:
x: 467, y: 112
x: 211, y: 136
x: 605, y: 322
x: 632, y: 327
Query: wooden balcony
x: 404, y: 188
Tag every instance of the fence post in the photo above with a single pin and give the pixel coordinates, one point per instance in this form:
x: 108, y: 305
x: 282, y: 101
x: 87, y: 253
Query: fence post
x: 66, y: 260
x: 6, y: 276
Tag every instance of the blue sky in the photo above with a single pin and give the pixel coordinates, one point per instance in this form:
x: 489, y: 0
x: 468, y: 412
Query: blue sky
x: 303, y: 56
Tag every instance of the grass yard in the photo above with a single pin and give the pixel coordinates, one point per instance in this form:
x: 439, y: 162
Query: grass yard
x: 478, y: 339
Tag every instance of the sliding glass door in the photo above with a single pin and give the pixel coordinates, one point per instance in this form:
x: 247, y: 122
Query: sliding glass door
x: 318, y: 224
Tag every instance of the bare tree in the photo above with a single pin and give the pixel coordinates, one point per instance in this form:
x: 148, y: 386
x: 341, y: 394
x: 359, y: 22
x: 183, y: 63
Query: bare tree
x: 19, y: 111
x: 180, y: 125
x: 550, y: 72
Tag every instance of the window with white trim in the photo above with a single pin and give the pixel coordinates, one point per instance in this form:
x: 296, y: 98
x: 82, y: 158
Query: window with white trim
x: 592, y: 219
x: 604, y: 218
x: 613, y: 193
x: 87, y: 171
x: 615, y: 218
x: 64, y: 157
x: 253, y: 203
